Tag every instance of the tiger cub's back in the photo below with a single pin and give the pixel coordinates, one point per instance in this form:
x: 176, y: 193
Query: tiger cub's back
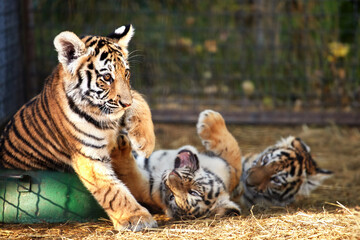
x: 32, y: 138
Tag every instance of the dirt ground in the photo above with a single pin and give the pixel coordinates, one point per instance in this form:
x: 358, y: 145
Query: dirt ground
x: 331, y: 212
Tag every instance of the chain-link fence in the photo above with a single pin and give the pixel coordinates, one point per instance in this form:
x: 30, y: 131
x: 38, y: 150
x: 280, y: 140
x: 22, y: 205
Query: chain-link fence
x: 11, y: 90
x: 256, y: 61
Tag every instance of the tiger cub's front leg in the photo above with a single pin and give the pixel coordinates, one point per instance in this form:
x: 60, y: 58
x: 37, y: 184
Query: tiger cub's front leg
x: 216, y: 138
x: 112, y: 194
x: 138, y: 125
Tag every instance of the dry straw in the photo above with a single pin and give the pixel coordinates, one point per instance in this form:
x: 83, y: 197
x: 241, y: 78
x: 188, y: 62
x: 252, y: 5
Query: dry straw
x: 331, y: 212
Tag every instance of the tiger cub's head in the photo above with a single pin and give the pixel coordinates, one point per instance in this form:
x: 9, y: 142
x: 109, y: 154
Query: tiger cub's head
x: 278, y: 174
x: 190, y: 191
x: 96, y: 72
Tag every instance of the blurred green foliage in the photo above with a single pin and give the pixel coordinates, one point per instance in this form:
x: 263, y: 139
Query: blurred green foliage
x: 196, y: 52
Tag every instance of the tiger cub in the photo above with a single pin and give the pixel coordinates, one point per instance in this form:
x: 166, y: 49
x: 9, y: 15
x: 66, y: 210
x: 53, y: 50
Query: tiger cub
x: 184, y: 183
x: 76, y: 119
x: 278, y: 174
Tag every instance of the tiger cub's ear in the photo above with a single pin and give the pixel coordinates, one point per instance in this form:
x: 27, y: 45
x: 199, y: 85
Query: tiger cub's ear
x: 123, y: 34
x: 314, y: 175
x: 298, y: 144
x: 69, y: 48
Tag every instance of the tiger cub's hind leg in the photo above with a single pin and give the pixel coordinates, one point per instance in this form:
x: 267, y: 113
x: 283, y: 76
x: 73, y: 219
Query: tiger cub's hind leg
x: 216, y: 138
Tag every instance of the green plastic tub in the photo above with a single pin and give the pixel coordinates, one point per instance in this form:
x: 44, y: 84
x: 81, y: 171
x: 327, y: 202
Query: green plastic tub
x: 45, y: 196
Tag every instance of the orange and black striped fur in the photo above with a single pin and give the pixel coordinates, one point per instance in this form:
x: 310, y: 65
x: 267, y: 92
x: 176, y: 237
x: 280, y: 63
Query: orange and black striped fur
x: 75, y: 121
x: 184, y: 183
x: 277, y: 175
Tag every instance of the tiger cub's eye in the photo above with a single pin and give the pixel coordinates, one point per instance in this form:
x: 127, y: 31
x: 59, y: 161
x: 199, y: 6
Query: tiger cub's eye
x: 107, y: 77
x: 194, y: 193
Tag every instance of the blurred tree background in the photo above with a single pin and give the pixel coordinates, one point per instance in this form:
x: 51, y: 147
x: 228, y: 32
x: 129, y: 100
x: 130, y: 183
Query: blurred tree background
x: 259, y: 61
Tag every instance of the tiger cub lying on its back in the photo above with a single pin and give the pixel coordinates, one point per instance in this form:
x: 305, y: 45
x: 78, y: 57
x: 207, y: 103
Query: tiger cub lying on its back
x: 185, y: 183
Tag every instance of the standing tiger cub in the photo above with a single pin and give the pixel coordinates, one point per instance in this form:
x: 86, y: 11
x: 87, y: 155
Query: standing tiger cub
x: 75, y: 121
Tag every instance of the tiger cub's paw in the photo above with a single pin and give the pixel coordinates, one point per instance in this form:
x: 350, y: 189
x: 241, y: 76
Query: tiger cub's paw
x: 135, y: 223
x: 141, y: 135
x: 123, y: 142
x: 123, y: 150
x: 210, y: 128
x: 139, y: 126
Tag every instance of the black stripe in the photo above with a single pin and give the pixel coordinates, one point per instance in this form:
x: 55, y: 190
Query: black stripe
x: 84, y: 115
x: 25, y: 154
x: 5, y: 164
x: 103, y: 56
x: 45, y: 106
x: 292, y: 169
x: 14, y: 158
x: 79, y: 80
x: 76, y: 128
x: 161, y: 188
x: 217, y: 178
x: 93, y: 43
x: 151, y: 183
x: 88, y: 76
x: 286, y: 192
x: 30, y: 102
x: 97, y: 51
x: 36, y: 123
x: 146, y: 164
x: 105, y: 95
x: 36, y: 141
x: 28, y: 133
x: 151, y: 178
x: 89, y: 38
x: 285, y: 154
x: 89, y: 144
x: 217, y: 193
x: 210, y: 194
x: 26, y: 142
x: 101, y: 43
x: 42, y: 162
x: 107, y: 192
x: 104, y: 159
x: 113, y: 199
x: 40, y: 133
x: 82, y: 141
x: 106, y: 61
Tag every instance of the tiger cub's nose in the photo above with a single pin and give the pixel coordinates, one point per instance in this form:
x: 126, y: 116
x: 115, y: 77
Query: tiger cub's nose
x: 124, y: 104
